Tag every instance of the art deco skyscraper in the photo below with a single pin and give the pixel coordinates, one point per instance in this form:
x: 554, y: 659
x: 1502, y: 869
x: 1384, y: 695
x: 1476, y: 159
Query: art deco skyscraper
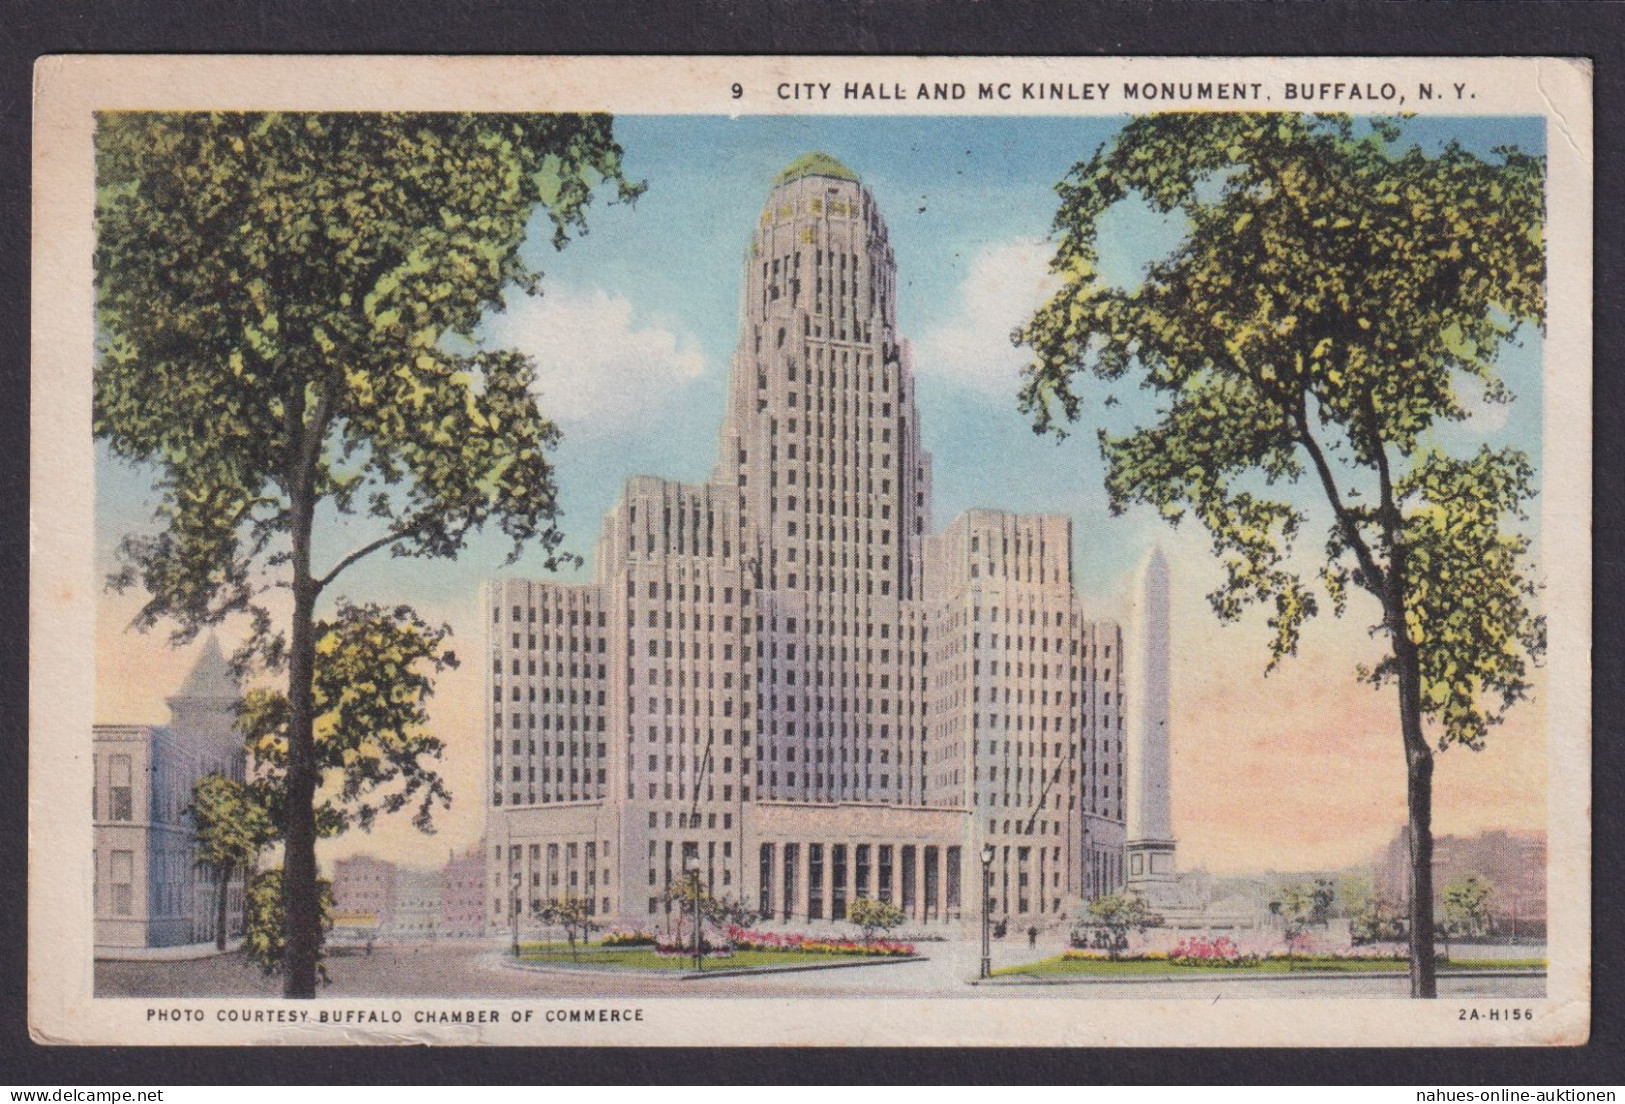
x: 780, y: 674
x: 822, y: 441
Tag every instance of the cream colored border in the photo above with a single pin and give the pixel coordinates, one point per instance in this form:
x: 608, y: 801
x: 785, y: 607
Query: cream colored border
x: 64, y: 586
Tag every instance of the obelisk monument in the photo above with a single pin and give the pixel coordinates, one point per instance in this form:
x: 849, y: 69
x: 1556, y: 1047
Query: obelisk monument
x: 1149, y: 829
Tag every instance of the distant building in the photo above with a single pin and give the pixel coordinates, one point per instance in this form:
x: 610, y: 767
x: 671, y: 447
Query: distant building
x: 786, y: 679
x: 462, y: 894
x: 417, y: 904
x: 150, y: 891
x: 364, y: 892
x: 1513, y: 863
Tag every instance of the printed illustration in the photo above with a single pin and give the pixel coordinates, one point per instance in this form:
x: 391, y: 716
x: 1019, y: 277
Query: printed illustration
x: 611, y: 556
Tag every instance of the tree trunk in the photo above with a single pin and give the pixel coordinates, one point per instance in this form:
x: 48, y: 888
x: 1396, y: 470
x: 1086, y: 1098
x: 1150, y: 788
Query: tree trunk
x: 302, y: 912
x: 1419, y: 804
x: 220, y: 908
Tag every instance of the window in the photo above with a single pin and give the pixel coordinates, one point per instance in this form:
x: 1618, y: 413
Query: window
x: 119, y: 803
x: 121, y: 873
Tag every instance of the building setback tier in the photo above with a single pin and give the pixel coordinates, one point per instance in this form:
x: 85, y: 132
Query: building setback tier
x: 784, y: 673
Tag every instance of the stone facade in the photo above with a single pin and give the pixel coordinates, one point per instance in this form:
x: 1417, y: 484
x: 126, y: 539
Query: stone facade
x: 365, y: 891
x: 462, y: 894
x: 149, y: 889
x: 783, y: 673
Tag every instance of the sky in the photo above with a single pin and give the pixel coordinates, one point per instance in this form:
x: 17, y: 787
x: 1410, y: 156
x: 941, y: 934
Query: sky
x: 633, y: 335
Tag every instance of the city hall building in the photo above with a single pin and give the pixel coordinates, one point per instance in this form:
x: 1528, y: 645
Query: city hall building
x: 786, y: 678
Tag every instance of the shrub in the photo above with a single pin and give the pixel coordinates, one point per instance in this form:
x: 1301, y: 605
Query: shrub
x: 263, y: 941
x: 633, y: 938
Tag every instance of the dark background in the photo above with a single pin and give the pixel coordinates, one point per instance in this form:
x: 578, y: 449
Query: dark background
x: 31, y: 28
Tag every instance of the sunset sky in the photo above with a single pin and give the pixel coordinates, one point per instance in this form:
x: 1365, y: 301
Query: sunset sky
x: 633, y: 336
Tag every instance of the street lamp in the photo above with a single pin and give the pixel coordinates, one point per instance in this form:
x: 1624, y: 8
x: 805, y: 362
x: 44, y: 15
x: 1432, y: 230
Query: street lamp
x: 692, y: 866
x: 515, y: 883
x: 987, y: 910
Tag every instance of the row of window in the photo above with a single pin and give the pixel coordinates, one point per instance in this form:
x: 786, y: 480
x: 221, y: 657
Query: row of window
x: 528, y: 614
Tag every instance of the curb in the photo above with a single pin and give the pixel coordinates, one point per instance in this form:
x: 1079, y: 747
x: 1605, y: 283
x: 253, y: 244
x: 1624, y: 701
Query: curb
x: 691, y: 975
x: 1302, y: 975
x: 183, y: 952
x: 749, y: 971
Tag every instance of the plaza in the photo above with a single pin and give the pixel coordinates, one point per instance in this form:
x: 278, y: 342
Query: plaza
x: 470, y: 969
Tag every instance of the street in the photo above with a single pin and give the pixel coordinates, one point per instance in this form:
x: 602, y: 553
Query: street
x: 479, y: 969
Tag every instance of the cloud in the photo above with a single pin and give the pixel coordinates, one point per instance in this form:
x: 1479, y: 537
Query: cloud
x: 601, y: 368
x: 1485, y: 417
x: 1005, y: 283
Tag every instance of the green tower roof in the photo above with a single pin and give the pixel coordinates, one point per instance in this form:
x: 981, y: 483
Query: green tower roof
x: 814, y: 164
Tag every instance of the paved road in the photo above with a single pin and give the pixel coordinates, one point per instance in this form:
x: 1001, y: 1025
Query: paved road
x: 478, y: 970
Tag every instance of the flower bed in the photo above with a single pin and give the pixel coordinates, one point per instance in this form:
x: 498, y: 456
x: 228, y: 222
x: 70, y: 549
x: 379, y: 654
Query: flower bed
x: 747, y: 939
x: 1209, y: 953
x: 624, y: 938
x: 1223, y: 953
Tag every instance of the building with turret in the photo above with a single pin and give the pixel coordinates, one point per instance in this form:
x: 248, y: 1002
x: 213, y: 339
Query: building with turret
x: 150, y: 891
x: 785, y: 677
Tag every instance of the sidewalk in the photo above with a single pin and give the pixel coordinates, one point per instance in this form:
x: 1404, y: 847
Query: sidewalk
x: 185, y: 952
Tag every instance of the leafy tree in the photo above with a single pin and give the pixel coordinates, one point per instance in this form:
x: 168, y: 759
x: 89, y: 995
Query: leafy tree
x: 1467, y: 905
x: 284, y: 302
x: 1377, y: 921
x: 372, y: 683
x: 230, y: 827
x: 1332, y: 293
x: 265, y: 928
x: 574, y: 914
x: 1114, y: 916
x: 1355, y: 891
x: 874, y: 916
x: 719, y: 912
x: 727, y: 912
x: 1303, y: 906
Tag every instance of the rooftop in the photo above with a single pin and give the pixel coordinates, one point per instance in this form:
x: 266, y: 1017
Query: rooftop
x: 211, y: 676
x: 816, y: 163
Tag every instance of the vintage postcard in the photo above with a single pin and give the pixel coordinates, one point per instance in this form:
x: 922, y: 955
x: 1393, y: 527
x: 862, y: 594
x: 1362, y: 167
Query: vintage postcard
x: 819, y: 551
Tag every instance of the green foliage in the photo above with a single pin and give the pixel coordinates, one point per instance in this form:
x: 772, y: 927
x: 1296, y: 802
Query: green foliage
x: 275, y: 293
x: 575, y: 915
x: 1377, y: 922
x: 719, y: 912
x: 1355, y: 892
x: 264, y: 941
x: 230, y: 827
x: 285, y: 307
x: 230, y: 823
x: 373, y: 681
x: 1467, y: 906
x: 1331, y: 293
x: 1302, y: 906
x: 1112, y: 917
x: 874, y: 916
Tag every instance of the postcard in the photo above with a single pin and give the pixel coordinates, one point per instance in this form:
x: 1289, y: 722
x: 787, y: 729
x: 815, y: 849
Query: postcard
x: 559, y: 551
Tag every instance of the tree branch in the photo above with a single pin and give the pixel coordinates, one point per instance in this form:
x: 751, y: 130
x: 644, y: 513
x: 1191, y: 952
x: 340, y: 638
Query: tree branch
x: 1378, y: 580
x: 360, y: 553
x: 1390, y: 509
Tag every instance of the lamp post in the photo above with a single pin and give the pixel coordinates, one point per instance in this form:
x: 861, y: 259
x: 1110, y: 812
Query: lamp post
x: 987, y: 910
x: 692, y: 866
x: 515, y: 883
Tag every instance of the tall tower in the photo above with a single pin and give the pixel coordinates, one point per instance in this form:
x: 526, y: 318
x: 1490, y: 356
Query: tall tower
x: 821, y: 441
x: 204, y: 709
x: 1150, y: 836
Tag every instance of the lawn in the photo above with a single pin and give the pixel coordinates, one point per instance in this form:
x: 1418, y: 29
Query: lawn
x: 1059, y: 966
x: 644, y: 958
